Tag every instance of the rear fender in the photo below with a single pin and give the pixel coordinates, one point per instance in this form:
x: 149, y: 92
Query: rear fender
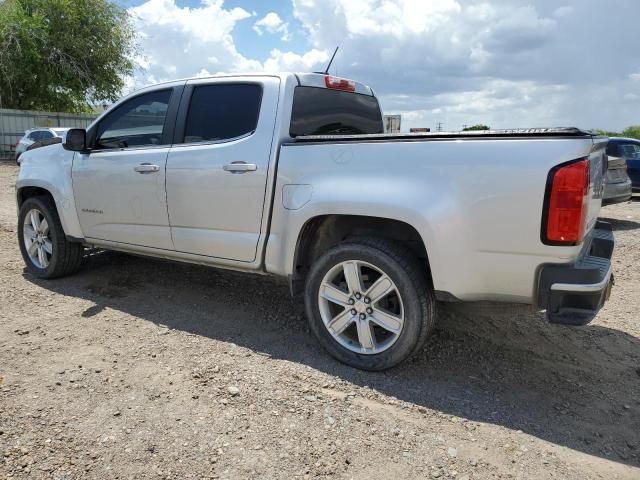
x: 395, y: 200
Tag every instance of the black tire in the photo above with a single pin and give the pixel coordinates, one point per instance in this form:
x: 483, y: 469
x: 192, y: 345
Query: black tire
x: 410, y: 277
x: 18, y: 159
x: 66, y: 257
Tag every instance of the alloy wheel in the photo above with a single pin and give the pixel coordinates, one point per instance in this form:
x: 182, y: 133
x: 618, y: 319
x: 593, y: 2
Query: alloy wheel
x: 361, y: 307
x: 36, y: 238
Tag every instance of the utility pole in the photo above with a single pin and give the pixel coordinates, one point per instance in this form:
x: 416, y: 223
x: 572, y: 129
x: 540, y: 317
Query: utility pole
x: 439, y: 127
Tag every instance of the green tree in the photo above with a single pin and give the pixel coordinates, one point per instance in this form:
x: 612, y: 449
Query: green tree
x: 63, y: 55
x: 633, y: 131
x: 476, y: 127
x: 606, y: 133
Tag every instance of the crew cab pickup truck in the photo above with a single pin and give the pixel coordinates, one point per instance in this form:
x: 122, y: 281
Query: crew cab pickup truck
x: 291, y: 175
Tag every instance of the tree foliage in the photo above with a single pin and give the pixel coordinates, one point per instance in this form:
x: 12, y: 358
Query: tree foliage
x: 63, y: 55
x: 476, y: 127
x: 607, y: 133
x: 632, y: 131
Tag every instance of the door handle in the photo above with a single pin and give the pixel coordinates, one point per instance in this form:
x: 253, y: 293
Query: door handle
x: 146, y: 168
x: 240, y: 167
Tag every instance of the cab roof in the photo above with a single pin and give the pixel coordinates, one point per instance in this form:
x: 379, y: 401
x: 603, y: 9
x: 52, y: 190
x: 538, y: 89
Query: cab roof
x: 315, y: 79
x: 624, y: 139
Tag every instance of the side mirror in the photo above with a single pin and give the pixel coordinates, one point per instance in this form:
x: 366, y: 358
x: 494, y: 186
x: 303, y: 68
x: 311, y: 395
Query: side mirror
x: 76, y: 140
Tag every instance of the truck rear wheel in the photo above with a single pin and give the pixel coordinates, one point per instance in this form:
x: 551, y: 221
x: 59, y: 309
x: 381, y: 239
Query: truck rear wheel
x: 370, y: 303
x: 43, y: 244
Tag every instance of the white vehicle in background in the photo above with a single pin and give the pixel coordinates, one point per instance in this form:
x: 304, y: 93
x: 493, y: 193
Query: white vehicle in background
x: 34, y: 135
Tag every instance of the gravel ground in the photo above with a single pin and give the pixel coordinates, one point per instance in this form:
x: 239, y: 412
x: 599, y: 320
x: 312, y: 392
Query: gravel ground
x: 139, y: 368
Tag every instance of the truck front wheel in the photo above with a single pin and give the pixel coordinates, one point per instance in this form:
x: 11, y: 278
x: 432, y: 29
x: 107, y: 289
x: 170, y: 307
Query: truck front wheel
x: 44, y: 247
x: 370, y: 303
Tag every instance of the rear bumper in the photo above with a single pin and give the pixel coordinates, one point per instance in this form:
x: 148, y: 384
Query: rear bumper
x: 574, y: 293
x: 617, y: 192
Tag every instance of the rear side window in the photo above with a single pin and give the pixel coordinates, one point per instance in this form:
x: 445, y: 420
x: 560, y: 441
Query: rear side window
x: 322, y: 111
x: 612, y: 149
x: 222, y: 112
x: 629, y: 149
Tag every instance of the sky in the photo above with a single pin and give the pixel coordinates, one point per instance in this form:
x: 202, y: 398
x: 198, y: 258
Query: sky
x: 504, y: 63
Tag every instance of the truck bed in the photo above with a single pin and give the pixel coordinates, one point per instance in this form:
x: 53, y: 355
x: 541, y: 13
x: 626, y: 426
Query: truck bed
x: 477, y: 204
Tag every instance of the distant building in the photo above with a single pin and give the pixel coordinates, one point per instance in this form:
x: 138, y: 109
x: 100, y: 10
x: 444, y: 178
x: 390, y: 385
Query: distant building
x: 392, y: 123
x: 419, y: 130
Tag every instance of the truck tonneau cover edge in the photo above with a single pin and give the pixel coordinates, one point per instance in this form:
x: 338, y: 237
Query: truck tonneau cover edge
x: 480, y: 134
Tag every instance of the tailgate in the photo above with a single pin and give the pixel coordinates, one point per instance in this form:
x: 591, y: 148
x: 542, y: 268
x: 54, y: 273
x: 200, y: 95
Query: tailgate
x: 617, y: 170
x: 598, y: 167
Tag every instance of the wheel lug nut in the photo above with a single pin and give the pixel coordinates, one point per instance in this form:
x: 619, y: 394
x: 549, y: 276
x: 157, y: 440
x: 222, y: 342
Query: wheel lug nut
x: 353, y: 311
x: 369, y: 310
x: 358, y: 296
x: 363, y: 316
x: 351, y: 301
x: 367, y: 300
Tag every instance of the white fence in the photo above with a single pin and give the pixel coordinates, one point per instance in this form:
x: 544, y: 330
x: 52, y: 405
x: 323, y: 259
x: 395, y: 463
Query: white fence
x: 13, y: 124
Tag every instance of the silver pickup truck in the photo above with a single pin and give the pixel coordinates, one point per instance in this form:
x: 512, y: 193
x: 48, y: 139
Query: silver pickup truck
x: 291, y: 175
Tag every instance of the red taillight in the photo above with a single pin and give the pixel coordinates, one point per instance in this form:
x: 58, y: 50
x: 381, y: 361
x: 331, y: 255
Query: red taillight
x: 339, y: 83
x: 567, y: 203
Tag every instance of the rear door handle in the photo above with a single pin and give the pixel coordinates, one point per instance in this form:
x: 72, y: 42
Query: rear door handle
x: 146, y: 168
x: 240, y: 167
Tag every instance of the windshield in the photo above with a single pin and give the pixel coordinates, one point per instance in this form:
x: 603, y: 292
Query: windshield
x: 322, y: 111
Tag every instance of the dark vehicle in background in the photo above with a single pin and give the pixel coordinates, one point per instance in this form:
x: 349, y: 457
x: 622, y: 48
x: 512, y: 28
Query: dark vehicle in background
x: 617, y: 184
x: 629, y: 149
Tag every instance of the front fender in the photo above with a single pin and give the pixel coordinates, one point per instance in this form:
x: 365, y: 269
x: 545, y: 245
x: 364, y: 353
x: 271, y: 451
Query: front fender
x: 49, y: 168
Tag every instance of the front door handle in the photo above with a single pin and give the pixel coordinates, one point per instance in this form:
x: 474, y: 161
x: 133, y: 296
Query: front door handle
x: 240, y: 167
x: 146, y: 168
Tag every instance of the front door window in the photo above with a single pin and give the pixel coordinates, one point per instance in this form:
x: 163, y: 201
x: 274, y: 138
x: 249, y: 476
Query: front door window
x: 138, y: 122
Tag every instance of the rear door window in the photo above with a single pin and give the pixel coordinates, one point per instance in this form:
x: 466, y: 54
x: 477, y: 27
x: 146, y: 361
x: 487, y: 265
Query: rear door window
x: 222, y: 112
x: 322, y: 111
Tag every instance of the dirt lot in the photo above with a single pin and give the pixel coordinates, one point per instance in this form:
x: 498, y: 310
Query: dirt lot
x: 137, y: 368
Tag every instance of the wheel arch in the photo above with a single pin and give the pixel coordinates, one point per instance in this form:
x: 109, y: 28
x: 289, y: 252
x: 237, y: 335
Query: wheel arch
x: 322, y: 232
x: 64, y: 207
x: 30, y: 191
